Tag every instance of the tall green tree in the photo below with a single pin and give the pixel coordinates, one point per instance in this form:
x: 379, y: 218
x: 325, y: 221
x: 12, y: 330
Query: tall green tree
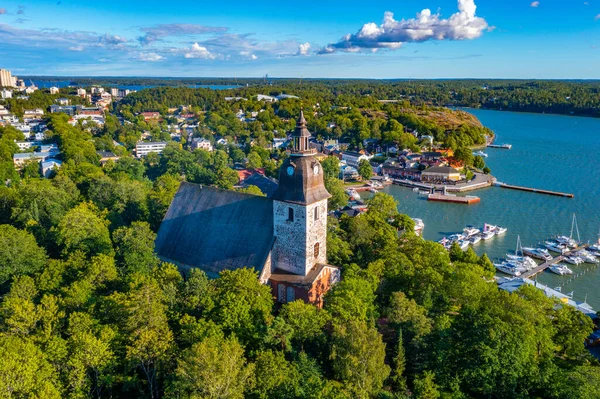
x: 358, y: 358
x: 364, y: 169
x: 19, y: 253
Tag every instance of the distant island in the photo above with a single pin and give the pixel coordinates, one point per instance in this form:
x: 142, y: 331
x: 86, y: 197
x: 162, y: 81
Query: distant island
x: 567, y: 97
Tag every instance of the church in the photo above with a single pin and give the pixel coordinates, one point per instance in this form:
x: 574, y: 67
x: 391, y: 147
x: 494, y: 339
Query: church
x: 283, y: 237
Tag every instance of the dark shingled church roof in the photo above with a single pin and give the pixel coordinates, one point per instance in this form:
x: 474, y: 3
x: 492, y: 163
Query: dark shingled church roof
x: 216, y: 229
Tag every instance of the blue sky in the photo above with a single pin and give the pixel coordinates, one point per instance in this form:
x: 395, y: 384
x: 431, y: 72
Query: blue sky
x: 339, y: 39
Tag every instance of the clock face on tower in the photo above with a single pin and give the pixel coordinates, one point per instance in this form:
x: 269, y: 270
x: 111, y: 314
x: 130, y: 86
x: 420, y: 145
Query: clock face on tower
x: 290, y: 170
x: 316, y: 170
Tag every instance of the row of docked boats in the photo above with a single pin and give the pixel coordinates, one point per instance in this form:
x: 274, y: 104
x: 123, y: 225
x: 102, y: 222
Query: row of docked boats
x: 472, y: 235
x: 519, y: 262
x: 567, y: 247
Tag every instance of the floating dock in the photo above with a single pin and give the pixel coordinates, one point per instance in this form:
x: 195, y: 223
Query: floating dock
x: 501, y: 146
x: 469, y: 199
x: 540, y: 268
x: 534, y: 190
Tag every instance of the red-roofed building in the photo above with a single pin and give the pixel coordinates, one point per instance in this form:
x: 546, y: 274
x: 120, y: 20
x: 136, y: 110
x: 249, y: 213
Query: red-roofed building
x: 243, y: 174
x: 151, y: 115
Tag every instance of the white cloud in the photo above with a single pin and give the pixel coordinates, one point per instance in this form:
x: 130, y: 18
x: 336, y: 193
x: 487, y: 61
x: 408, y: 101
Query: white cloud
x: 597, y: 17
x: 535, y: 4
x: 2, y: 11
x: 198, y: 51
x: 150, y: 57
x: 248, y: 55
x: 392, y: 34
x: 159, y: 32
x: 77, y: 48
x: 303, y: 49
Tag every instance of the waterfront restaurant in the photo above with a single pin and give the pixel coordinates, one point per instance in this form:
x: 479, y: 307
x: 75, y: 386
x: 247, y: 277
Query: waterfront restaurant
x: 440, y: 173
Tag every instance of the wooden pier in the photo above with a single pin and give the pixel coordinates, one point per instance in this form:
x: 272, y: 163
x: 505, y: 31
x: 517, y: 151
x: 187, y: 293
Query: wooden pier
x: 501, y: 146
x: 453, y: 198
x: 534, y: 190
x: 540, y: 268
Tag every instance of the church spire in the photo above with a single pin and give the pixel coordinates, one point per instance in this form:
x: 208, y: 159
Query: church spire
x: 301, y: 136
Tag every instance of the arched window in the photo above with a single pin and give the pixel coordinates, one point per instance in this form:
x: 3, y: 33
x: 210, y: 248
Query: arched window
x: 280, y: 293
x: 316, y: 250
x: 316, y: 213
x: 291, y: 294
x: 290, y: 214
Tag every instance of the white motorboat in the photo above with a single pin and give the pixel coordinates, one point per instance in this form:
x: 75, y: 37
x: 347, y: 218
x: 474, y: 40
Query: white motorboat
x: 556, y: 247
x: 500, y: 230
x: 574, y: 260
x: 537, y: 253
x: 471, y: 231
x: 481, y: 154
x: 587, y: 256
x: 486, y: 235
x: 569, y: 242
x: 508, y: 269
x: 419, y: 226
x: 456, y: 237
x: 464, y: 244
x: 525, y: 261
x: 560, y: 269
x: 496, y: 229
x: 474, y: 239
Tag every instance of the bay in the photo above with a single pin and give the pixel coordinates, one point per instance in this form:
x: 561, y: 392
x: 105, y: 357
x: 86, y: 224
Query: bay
x: 553, y: 152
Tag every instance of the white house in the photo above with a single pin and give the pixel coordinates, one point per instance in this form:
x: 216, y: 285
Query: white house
x: 5, y: 93
x: 353, y: 158
x: 144, y: 148
x: 81, y: 92
x: 49, y: 166
x: 54, y: 90
x: 201, y: 143
x: 33, y: 113
x: 269, y: 99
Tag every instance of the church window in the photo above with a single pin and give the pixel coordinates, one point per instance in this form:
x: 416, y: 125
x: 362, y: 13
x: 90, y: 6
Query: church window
x: 291, y: 295
x: 316, y: 213
x: 280, y: 293
x: 316, y: 250
x: 290, y: 214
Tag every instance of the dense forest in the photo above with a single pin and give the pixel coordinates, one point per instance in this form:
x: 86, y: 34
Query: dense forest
x: 88, y: 311
x: 543, y: 96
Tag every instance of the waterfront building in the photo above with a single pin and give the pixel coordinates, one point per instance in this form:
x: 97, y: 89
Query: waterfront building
x: 144, y: 148
x: 440, y: 173
x: 283, y: 236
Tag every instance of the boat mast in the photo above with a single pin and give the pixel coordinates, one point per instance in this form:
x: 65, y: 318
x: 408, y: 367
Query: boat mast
x: 574, y: 225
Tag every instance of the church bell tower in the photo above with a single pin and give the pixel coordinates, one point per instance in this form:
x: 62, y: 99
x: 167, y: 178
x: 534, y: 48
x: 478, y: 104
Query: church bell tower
x: 300, y: 209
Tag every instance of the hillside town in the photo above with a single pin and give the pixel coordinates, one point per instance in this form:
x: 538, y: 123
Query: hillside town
x: 429, y: 162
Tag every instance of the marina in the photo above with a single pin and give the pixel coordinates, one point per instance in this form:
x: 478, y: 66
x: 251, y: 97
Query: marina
x: 549, y: 263
x: 544, y: 157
